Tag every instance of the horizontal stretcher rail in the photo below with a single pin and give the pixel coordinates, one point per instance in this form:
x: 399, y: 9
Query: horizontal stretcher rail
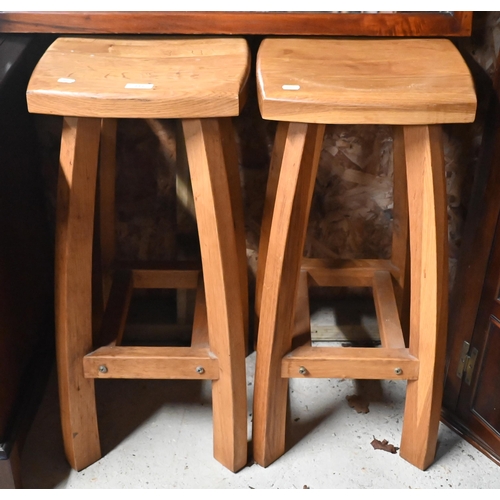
x: 350, y: 362
x: 151, y: 363
x: 354, y: 272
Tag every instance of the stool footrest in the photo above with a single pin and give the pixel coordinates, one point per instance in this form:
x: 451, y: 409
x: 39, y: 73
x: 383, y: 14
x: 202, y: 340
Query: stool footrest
x: 345, y: 272
x: 350, y: 362
x: 151, y: 363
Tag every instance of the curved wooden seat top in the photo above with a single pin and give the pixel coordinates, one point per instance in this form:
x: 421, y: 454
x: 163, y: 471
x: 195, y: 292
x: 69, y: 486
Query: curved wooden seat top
x: 397, y: 81
x: 141, y: 77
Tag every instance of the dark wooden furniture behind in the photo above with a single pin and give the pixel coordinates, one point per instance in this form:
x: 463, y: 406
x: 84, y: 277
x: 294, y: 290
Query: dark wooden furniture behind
x: 471, y: 405
x: 448, y: 24
x: 26, y: 313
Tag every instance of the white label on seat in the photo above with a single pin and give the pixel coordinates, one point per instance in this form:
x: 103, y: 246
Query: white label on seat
x: 139, y: 85
x: 291, y: 87
x: 66, y: 80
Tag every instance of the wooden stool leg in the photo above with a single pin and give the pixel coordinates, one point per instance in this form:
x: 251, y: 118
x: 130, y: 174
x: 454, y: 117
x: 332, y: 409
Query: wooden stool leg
x: 107, y: 181
x: 280, y: 286
x: 233, y: 176
x: 429, y: 291
x: 400, y: 236
x: 104, y: 229
x: 222, y: 287
x: 75, y: 220
x: 267, y: 216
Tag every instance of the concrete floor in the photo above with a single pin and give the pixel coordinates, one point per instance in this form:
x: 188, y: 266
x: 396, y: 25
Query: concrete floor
x: 158, y: 434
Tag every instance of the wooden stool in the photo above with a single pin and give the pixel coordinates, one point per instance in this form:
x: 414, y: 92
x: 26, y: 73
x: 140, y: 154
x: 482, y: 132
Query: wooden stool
x: 306, y: 83
x: 91, y: 82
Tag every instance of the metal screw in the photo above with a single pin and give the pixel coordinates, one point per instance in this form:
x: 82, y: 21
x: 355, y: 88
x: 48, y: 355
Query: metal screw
x: 398, y: 371
x: 302, y: 370
x: 200, y: 369
x: 103, y: 369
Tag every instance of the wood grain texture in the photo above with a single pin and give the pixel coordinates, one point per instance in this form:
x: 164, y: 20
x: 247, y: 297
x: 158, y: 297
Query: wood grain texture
x: 231, y: 160
x: 280, y: 286
x: 151, y: 363
x: 477, y: 241
x: 141, y: 77
x: 249, y: 23
x: 389, y: 324
x: 429, y: 296
x: 74, y: 230
x: 221, y: 276
x: 199, y: 337
x: 400, y: 255
x: 267, y: 215
x: 345, y: 272
x: 106, y: 189
x: 350, y: 362
x: 404, y: 81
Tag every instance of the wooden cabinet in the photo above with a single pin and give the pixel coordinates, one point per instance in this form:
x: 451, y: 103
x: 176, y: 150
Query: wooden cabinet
x: 471, y: 403
x: 26, y: 262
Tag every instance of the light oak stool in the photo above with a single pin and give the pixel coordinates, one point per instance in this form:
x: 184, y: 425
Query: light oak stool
x: 91, y: 82
x: 304, y: 84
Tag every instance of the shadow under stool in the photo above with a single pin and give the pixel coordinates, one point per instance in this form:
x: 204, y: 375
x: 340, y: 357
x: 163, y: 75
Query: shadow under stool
x: 91, y: 82
x: 414, y: 85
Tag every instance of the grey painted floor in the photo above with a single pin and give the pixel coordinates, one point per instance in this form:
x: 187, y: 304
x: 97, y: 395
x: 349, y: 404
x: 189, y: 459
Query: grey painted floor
x: 158, y: 434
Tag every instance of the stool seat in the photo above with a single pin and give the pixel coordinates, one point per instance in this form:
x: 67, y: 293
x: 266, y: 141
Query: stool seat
x: 140, y: 78
x: 398, y: 82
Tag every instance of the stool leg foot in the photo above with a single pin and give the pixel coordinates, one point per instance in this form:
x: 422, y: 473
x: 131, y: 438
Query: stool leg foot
x: 280, y: 285
x: 429, y: 295
x: 75, y: 219
x: 221, y: 274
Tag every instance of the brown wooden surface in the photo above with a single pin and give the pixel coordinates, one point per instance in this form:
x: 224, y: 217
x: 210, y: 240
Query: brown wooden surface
x: 141, y: 78
x: 137, y: 362
x: 361, y: 363
x: 389, y: 324
x: 26, y: 257
x: 75, y: 224
x: 244, y: 23
x: 221, y: 275
x: 382, y: 81
x: 472, y: 408
x: 478, y: 235
x: 299, y: 163
x: 429, y: 291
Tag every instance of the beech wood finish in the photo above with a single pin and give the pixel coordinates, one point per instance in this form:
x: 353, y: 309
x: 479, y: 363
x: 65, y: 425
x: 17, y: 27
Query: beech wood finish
x: 358, y: 82
x: 190, y: 79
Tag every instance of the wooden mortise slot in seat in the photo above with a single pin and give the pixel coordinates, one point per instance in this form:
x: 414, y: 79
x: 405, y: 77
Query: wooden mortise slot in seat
x: 116, y: 361
x: 390, y: 361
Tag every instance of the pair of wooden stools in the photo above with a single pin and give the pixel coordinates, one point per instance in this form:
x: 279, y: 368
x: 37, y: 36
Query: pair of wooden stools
x: 304, y: 84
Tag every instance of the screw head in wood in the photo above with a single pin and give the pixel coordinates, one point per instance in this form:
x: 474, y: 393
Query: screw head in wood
x: 200, y: 369
x: 398, y: 371
x: 302, y: 370
x: 103, y: 369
